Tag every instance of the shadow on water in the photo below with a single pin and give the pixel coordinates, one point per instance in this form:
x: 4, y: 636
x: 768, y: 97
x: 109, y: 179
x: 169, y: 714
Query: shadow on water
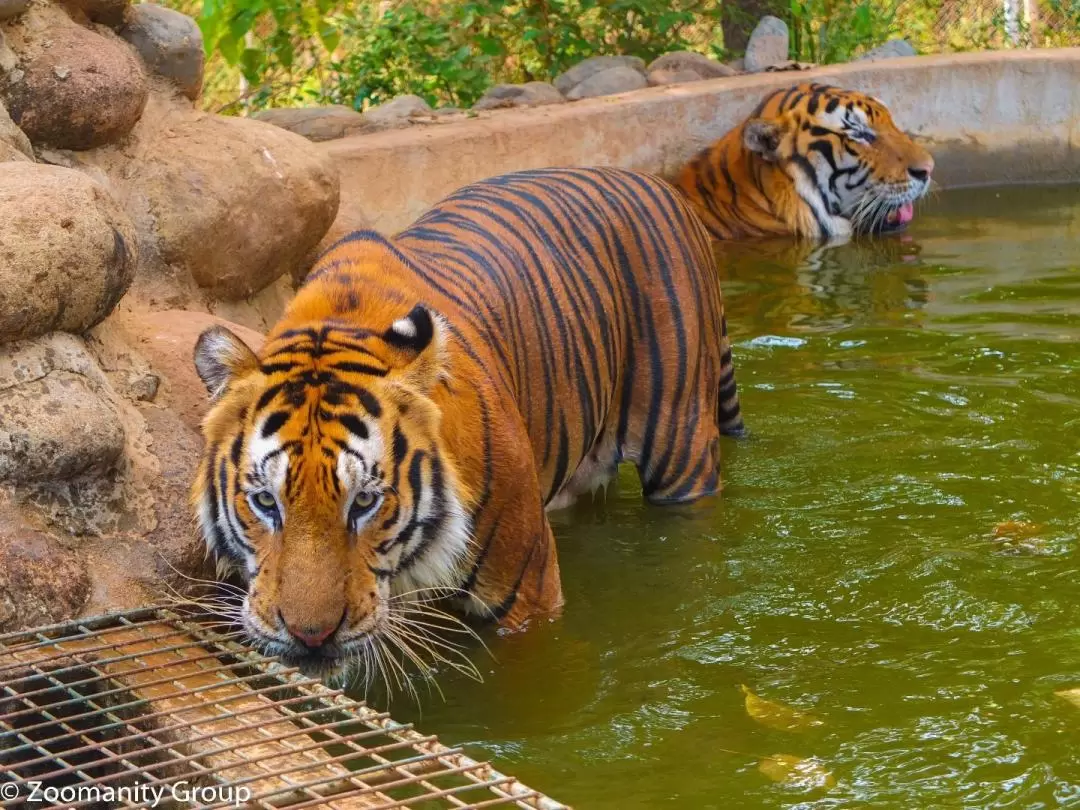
x: 914, y: 403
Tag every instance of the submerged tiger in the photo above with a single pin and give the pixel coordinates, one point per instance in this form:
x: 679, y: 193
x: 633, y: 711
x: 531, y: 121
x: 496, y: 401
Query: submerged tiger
x: 427, y: 397
x: 812, y: 161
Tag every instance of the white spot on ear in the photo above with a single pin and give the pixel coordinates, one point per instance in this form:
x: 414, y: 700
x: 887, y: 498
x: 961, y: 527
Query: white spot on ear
x: 404, y: 327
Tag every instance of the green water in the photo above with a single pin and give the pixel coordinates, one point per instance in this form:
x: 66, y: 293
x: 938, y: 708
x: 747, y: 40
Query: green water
x: 905, y: 397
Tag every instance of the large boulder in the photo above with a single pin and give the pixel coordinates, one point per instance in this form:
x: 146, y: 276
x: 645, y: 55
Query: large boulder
x: 236, y: 203
x: 530, y: 94
x: 67, y: 251
x: 608, y: 83
x: 57, y: 418
x: 42, y: 580
x: 893, y: 49
x: 685, y: 66
x: 106, y: 12
x: 76, y: 88
x: 768, y: 45
x: 316, y: 123
x: 398, y: 112
x: 170, y: 44
x: 582, y: 71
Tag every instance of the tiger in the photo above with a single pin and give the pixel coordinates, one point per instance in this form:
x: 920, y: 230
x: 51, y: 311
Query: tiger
x: 812, y: 161
x: 427, y: 398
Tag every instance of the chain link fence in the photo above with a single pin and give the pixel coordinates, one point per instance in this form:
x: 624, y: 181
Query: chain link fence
x: 934, y: 26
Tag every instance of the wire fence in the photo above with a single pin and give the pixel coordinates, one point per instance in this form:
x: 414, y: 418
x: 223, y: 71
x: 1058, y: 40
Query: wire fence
x: 934, y: 26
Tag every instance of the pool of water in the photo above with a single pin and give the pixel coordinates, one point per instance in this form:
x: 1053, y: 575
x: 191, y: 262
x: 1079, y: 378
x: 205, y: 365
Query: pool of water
x: 906, y: 396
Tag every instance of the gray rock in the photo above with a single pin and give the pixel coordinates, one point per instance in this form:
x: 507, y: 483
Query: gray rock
x: 14, y: 145
x: 531, y: 94
x: 567, y: 81
x: 57, y: 419
x: 892, y: 49
x: 768, y: 45
x: 608, y: 83
x: 396, y: 112
x: 316, y: 123
x: 685, y: 66
x: 106, y: 12
x: 68, y: 249
x: 170, y: 44
x: 12, y: 8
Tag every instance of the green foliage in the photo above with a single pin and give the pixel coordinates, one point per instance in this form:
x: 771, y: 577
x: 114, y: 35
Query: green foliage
x: 825, y: 31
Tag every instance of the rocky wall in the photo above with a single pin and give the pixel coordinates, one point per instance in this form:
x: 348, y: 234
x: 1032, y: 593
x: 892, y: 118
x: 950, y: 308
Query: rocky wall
x: 127, y: 219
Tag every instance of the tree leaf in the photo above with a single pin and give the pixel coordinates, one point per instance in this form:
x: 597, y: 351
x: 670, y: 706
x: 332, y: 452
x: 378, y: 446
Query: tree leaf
x: 777, y: 715
x: 797, y: 773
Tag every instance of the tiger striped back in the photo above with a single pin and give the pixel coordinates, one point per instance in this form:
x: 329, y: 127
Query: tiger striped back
x: 496, y: 359
x: 812, y: 161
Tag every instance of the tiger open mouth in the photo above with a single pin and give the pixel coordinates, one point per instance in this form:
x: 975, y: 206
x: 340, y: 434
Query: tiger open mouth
x: 897, y: 219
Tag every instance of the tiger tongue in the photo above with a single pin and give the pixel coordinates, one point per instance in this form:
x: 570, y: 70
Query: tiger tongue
x: 902, y: 215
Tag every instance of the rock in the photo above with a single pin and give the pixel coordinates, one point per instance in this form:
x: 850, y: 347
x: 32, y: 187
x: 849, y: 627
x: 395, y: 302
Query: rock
x: 567, y: 81
x: 608, y: 83
x: 531, y: 94
x: 170, y: 44
x: 106, y: 12
x: 892, y: 49
x: 768, y: 44
x: 167, y: 340
x: 737, y: 65
x: 237, y: 203
x: 41, y: 581
x: 396, y: 113
x: 316, y: 123
x: 67, y: 251
x: 12, y: 8
x: 57, y: 420
x: 14, y: 145
x: 79, y: 89
x: 685, y: 66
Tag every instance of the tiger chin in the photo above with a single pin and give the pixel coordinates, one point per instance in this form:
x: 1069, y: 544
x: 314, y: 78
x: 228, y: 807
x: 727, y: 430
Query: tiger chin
x: 428, y: 397
x: 813, y: 162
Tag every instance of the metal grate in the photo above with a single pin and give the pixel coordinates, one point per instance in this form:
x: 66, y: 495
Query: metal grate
x: 149, y: 709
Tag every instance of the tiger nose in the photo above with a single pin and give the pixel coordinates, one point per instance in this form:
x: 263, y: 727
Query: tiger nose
x: 921, y: 169
x: 310, y: 635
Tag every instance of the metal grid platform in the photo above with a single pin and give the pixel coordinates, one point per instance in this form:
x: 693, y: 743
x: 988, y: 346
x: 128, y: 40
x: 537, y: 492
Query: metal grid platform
x: 148, y: 709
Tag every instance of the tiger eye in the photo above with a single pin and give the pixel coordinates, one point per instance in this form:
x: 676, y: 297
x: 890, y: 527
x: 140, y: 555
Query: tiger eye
x: 265, y: 499
x: 364, y: 500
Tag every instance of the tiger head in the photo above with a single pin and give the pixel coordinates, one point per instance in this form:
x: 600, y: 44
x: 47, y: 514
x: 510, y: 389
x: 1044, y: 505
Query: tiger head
x: 325, y: 482
x: 851, y: 165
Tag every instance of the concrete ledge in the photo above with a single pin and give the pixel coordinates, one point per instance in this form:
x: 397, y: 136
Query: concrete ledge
x: 993, y: 117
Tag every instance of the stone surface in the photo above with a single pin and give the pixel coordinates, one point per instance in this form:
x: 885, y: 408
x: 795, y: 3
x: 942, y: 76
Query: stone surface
x: 78, y: 89
x: 531, y: 94
x: 41, y: 580
x: 13, y: 139
x: 567, y: 81
x: 170, y: 44
x: 316, y: 123
x: 608, y: 83
x: 57, y: 420
x: 685, y: 66
x: 67, y: 251
x: 106, y: 12
x: 234, y: 203
x: 768, y: 45
x: 892, y: 49
x: 12, y: 8
x: 396, y: 113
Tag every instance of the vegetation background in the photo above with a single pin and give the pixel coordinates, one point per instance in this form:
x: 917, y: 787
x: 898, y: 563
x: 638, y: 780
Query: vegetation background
x: 274, y: 53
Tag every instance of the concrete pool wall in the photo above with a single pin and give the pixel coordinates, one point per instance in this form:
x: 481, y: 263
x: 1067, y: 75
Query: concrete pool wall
x: 989, y: 118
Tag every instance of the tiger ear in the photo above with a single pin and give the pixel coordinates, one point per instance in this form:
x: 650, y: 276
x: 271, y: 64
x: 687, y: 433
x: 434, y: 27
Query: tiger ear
x: 220, y: 358
x: 421, y: 338
x: 763, y: 137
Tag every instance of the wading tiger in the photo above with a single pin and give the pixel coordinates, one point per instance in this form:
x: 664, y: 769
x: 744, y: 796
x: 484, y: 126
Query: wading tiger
x: 427, y: 397
x: 812, y: 161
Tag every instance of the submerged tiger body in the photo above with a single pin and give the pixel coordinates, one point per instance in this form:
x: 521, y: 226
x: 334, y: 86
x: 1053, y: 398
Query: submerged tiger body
x: 812, y: 161
x: 427, y: 397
